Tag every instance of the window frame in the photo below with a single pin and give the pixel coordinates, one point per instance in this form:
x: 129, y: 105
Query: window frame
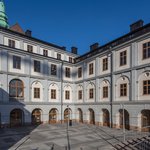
x: 105, y: 64
x: 16, y: 62
x: 80, y: 72
x: 147, y: 87
x: 45, y: 52
x: 91, y: 69
x: 58, y: 56
x: 146, y: 50
x: 37, y: 66
x: 70, y: 59
x: 67, y: 72
x: 123, y: 90
x: 123, y: 58
x: 67, y: 95
x: 53, y: 93
x: 30, y: 48
x: 11, y: 43
x: 105, y: 92
x: 91, y: 93
x: 53, y: 70
x: 16, y: 86
x: 80, y: 94
x: 36, y: 92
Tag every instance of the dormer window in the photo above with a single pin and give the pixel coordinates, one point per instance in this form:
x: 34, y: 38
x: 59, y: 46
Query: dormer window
x: 11, y: 43
x: 70, y: 59
x: 58, y: 56
x: 45, y: 52
x: 30, y: 48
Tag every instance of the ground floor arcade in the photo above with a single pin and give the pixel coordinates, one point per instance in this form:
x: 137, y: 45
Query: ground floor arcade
x: 122, y: 117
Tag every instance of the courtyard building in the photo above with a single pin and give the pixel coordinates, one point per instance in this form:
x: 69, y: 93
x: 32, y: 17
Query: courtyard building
x: 41, y: 82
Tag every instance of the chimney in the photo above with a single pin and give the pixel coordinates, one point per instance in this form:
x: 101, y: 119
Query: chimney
x: 28, y: 33
x: 74, y: 50
x: 136, y: 25
x: 94, y: 46
x: 64, y: 48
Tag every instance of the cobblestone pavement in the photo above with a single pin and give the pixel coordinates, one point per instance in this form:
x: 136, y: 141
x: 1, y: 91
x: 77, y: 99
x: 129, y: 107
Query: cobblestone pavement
x: 61, y: 137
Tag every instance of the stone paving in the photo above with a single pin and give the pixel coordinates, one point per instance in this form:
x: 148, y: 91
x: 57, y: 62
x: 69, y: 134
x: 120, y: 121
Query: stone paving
x: 61, y: 137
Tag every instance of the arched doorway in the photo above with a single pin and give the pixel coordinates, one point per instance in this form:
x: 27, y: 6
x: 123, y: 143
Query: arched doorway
x: 126, y: 119
x: 67, y: 114
x: 145, y: 120
x: 80, y: 115
x: 16, y: 118
x: 91, y: 116
x: 53, y: 116
x: 36, y: 116
x: 106, y: 121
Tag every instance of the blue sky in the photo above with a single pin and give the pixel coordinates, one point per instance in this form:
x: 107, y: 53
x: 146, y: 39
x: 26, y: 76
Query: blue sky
x: 78, y: 23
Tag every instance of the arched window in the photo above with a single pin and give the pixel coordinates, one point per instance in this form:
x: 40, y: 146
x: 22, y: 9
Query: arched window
x: 16, y: 88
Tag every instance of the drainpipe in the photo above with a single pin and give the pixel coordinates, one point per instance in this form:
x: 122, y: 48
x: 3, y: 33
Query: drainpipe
x: 111, y: 89
x: 61, y: 91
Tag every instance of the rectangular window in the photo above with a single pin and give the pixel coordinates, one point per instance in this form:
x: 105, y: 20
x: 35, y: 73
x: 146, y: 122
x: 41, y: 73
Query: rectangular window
x: 59, y: 56
x: 53, y: 94
x: 53, y: 70
x: 70, y: 59
x: 36, y: 92
x: 11, y: 43
x: 105, y: 92
x: 91, y: 93
x: 123, y: 89
x: 123, y: 58
x: 146, y: 87
x: 80, y: 94
x: 30, y: 48
x: 37, y: 66
x: 146, y: 50
x: 67, y: 71
x: 105, y: 64
x: 16, y: 62
x: 90, y: 68
x: 67, y: 95
x: 79, y: 72
x: 45, y: 52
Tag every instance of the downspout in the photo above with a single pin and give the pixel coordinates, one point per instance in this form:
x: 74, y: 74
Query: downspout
x: 61, y: 91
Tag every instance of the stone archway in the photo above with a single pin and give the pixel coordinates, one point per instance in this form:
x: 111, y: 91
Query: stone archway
x: 145, y: 120
x: 106, y: 119
x: 91, y: 116
x: 36, y: 116
x: 16, y: 118
x: 126, y: 119
x: 67, y: 114
x: 53, y: 116
x: 80, y: 115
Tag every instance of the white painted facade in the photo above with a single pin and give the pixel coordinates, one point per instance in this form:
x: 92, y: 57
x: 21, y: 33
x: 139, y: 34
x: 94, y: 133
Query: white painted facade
x: 133, y: 73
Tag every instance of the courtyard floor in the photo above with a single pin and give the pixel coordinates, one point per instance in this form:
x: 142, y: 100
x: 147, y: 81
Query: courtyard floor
x: 62, y: 137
